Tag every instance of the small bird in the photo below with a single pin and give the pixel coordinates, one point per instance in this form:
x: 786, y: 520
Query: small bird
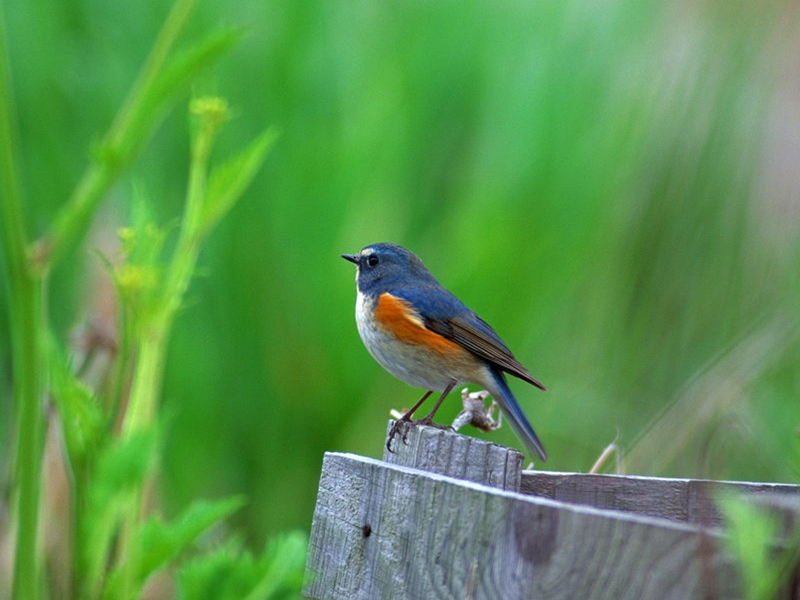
x: 425, y: 336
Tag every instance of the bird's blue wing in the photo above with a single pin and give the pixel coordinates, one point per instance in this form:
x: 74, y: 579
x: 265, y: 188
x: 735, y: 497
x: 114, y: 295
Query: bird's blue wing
x: 446, y: 315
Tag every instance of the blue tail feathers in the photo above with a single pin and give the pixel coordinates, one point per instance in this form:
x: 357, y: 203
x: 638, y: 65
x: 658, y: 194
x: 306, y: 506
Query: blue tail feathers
x: 513, y: 413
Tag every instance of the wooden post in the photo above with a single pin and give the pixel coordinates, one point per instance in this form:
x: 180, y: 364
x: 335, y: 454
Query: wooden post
x: 385, y: 530
x: 445, y: 452
x: 685, y: 500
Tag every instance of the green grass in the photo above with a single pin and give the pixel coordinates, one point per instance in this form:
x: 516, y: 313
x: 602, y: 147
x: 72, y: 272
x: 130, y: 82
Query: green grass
x: 599, y: 182
x: 765, y: 550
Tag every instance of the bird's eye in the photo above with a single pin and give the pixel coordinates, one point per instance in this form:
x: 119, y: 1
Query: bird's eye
x: 372, y: 260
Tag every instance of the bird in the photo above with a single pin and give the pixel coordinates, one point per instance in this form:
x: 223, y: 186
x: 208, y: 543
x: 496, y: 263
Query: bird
x: 425, y: 336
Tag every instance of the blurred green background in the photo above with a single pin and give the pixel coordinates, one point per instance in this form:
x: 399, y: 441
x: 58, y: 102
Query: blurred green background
x: 613, y: 185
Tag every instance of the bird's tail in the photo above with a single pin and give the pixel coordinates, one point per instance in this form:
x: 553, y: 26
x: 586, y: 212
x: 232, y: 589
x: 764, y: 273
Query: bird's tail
x: 500, y: 391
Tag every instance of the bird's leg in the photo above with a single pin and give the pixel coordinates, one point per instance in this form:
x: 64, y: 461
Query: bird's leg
x: 405, y: 419
x: 428, y: 419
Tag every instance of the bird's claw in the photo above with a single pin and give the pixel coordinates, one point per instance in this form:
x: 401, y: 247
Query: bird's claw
x: 406, y: 423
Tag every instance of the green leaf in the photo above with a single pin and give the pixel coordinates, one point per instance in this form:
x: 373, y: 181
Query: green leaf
x: 284, y: 565
x: 232, y: 573
x: 118, y: 476
x: 229, y: 181
x: 158, y: 544
x: 146, y: 108
x: 751, y: 533
x: 161, y: 543
x: 162, y: 78
x: 82, y: 419
x: 176, y: 74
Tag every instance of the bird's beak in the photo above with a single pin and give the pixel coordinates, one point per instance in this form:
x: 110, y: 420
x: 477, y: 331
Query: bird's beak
x: 351, y: 257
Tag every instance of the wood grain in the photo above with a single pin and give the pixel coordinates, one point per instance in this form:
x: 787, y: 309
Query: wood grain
x: 445, y: 452
x: 386, y: 531
x: 685, y: 500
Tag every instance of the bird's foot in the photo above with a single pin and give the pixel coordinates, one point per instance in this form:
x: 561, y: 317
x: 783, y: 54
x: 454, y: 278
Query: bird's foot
x: 401, y: 421
x: 406, y: 423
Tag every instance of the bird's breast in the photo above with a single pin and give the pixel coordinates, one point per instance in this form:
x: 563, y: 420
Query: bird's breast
x: 396, y: 336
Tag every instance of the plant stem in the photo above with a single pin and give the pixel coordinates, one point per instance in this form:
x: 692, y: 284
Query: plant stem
x: 152, y: 347
x: 120, y: 145
x: 147, y: 378
x: 25, y: 299
x: 157, y: 326
x: 29, y: 377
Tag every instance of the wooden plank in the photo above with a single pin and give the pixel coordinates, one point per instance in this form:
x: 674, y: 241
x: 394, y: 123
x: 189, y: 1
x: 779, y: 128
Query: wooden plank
x: 685, y: 500
x: 448, y: 453
x: 386, y: 531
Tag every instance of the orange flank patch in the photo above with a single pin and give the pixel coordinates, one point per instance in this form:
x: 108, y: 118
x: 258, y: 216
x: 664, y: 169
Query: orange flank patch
x: 397, y: 316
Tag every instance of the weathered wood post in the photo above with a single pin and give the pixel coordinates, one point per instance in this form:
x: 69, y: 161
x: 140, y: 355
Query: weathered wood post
x: 442, y: 517
x: 466, y: 458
